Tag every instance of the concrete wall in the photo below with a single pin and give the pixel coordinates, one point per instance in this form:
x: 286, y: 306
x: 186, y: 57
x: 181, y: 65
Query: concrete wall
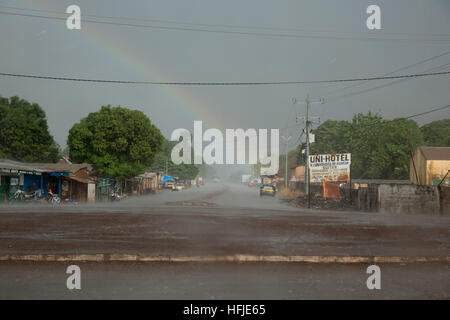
x: 366, y: 197
x: 408, y: 199
x: 444, y: 200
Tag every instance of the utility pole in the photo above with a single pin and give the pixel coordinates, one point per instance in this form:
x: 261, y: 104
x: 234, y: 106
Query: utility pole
x: 308, y: 124
x: 286, y: 175
x: 308, y: 192
x: 167, y: 164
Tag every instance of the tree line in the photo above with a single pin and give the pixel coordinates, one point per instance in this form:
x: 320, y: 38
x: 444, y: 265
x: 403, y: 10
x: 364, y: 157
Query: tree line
x: 117, y: 141
x: 124, y: 143
x: 380, y: 148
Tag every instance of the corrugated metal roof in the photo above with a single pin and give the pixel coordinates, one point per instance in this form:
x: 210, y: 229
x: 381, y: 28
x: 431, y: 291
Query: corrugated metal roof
x: 435, y: 153
x: 18, y: 166
x: 42, y: 167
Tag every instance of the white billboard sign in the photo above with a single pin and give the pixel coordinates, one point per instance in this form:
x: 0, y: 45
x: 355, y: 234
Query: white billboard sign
x: 312, y: 138
x: 329, y: 167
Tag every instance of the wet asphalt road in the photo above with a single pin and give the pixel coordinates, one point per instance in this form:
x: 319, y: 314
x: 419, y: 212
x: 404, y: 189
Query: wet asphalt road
x: 235, y: 221
x: 223, y: 281
x: 219, y: 219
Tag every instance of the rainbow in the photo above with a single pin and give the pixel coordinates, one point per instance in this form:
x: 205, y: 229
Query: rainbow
x: 142, y: 64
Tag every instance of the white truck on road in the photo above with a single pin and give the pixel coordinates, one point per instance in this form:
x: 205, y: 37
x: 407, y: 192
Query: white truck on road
x: 246, y: 178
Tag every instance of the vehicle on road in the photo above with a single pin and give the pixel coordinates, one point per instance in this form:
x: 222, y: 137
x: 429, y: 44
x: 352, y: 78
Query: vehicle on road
x: 168, y: 182
x: 267, y: 190
x: 255, y: 182
x: 245, y: 178
x: 178, y: 186
x: 269, y: 180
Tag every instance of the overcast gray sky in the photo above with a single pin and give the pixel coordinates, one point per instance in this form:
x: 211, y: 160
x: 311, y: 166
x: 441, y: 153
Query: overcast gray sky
x: 334, y: 46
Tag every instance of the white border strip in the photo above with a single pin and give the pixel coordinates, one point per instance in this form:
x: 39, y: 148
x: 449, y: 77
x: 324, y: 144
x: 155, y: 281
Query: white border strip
x: 230, y: 258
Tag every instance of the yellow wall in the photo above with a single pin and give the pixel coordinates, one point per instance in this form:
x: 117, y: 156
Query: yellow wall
x: 428, y: 171
x: 436, y: 170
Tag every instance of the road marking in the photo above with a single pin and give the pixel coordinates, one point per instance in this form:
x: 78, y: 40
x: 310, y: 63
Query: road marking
x: 228, y: 258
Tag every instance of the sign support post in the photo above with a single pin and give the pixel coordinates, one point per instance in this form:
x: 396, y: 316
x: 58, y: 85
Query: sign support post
x: 308, y: 123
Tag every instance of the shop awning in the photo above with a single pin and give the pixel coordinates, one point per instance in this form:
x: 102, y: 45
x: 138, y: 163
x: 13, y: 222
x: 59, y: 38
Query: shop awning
x: 80, y: 179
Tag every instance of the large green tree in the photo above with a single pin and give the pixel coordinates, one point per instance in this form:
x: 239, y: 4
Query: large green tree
x: 118, y: 141
x: 391, y: 158
x: 380, y: 148
x: 437, y: 133
x: 364, y: 142
x: 334, y: 137
x: 24, y: 133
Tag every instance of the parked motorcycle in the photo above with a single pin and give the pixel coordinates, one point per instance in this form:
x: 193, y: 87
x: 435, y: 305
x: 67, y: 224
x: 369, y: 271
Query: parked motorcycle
x: 21, y: 195
x: 115, y: 196
x: 53, y: 198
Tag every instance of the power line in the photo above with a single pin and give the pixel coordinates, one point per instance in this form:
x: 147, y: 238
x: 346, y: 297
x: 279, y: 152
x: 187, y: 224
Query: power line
x: 351, y: 94
x: 370, y: 124
x: 245, y: 33
x: 385, y: 85
x: 427, y: 112
x: 224, y: 25
x: 392, y: 72
x: 418, y: 75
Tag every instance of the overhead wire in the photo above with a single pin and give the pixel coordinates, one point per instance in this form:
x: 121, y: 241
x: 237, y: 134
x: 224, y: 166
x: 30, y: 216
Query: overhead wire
x: 242, y: 33
x: 222, y: 25
x: 390, y: 73
x: 351, y: 94
x: 256, y: 83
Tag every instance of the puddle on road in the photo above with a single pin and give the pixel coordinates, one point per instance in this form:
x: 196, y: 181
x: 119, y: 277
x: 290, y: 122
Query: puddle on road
x: 198, y: 203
